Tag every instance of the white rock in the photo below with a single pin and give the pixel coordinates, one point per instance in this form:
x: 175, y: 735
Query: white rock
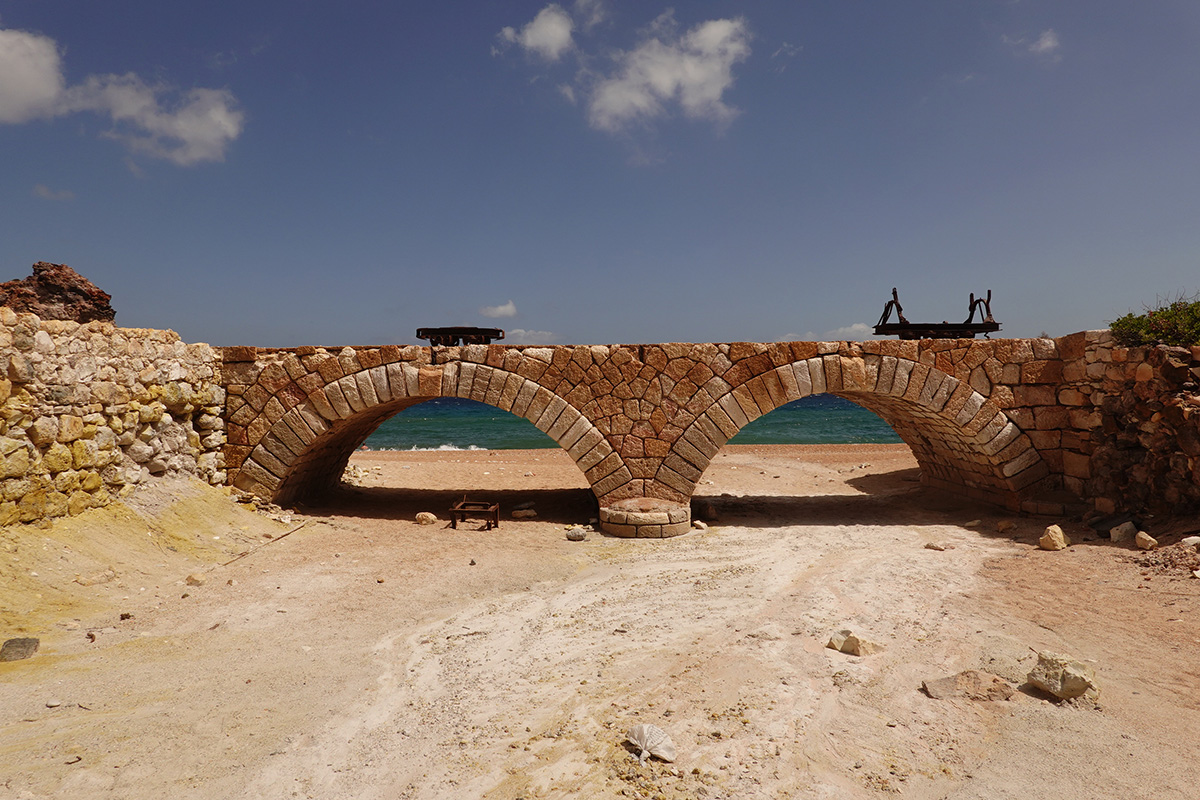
x: 524, y: 513
x: 845, y: 641
x: 1191, y: 541
x: 1063, y: 676
x: 1145, y: 541
x: 1054, y: 539
x: 576, y: 533
x: 1126, y: 530
x: 699, y: 525
x: 1005, y: 525
x: 426, y: 518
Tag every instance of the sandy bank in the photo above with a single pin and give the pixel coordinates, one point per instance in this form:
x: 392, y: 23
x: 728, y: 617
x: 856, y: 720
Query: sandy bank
x: 365, y: 656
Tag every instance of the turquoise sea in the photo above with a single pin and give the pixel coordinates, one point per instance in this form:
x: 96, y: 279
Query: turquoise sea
x: 448, y: 423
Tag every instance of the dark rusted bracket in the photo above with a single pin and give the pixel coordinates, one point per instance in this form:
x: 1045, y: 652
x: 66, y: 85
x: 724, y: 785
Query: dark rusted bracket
x: 938, y: 330
x: 449, y: 337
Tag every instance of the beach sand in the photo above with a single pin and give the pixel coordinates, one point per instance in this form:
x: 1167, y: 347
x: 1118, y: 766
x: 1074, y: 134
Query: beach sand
x: 355, y: 654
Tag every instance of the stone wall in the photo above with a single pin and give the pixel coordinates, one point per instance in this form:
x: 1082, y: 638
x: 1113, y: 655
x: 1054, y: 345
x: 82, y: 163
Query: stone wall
x: 643, y: 421
x: 1033, y: 424
x: 89, y: 410
x: 1141, y: 409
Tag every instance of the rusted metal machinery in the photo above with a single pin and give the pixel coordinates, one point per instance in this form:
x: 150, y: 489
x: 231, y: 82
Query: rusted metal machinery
x: 449, y: 337
x: 938, y: 330
x: 464, y: 508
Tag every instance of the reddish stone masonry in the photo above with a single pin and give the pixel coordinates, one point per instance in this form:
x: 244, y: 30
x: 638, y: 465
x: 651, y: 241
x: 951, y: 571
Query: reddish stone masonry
x: 1005, y: 421
x: 1027, y: 424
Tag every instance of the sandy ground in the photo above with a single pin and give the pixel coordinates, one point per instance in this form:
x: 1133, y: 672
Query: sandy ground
x: 354, y: 654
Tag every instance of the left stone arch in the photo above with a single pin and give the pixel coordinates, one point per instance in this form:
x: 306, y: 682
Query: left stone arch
x: 303, y: 449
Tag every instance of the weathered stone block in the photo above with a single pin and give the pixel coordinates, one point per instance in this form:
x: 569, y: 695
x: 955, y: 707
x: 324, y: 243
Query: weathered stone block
x: 57, y: 458
x: 43, y: 431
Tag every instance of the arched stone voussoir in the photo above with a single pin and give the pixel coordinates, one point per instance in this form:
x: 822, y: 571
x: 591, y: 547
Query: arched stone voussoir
x: 305, y: 448
x: 953, y: 430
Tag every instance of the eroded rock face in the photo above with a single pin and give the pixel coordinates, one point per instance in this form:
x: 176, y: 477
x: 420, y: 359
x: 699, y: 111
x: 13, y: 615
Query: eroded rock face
x: 55, y: 291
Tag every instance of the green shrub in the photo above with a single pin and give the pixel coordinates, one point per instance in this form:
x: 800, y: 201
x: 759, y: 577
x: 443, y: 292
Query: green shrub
x: 1175, y: 323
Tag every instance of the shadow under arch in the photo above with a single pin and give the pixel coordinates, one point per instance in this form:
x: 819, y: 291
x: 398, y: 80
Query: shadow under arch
x: 961, y: 442
x: 305, y: 450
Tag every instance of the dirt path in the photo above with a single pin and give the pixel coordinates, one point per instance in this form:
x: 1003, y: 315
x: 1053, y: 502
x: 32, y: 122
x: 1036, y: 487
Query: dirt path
x: 363, y: 656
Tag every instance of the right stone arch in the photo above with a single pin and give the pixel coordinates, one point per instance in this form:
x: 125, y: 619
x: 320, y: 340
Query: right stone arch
x: 962, y: 441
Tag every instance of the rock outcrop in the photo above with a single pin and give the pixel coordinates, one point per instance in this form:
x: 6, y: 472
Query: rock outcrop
x: 55, y: 291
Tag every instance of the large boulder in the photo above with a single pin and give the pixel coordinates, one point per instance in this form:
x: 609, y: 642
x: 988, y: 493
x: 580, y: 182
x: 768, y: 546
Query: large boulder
x: 55, y: 291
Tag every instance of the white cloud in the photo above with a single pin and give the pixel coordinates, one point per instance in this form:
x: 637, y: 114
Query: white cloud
x: 521, y: 336
x: 508, y: 309
x: 46, y: 193
x: 694, y: 69
x: 198, y: 126
x: 548, y: 34
x: 783, y: 54
x: 31, y: 77
x: 590, y: 12
x: 855, y: 332
x: 1046, y: 44
x: 665, y: 70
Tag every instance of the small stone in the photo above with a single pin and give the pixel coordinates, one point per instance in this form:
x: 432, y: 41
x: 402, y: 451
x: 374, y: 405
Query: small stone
x: 971, y: 684
x: 1145, y: 541
x: 95, y: 578
x: 379, y: 580
x: 1063, y: 676
x: 1191, y: 541
x: 699, y: 524
x: 472, y: 563
x: 426, y: 518
x: 1005, y: 525
x: 524, y: 513
x: 934, y: 546
x: 1126, y: 530
x: 1054, y: 539
x: 18, y: 649
x: 576, y: 533
x: 53, y: 702
x: 972, y: 523
x: 195, y: 579
x: 845, y: 641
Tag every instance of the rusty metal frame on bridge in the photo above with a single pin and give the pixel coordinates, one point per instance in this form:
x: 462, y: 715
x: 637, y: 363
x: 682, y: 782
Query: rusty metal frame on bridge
x: 938, y: 330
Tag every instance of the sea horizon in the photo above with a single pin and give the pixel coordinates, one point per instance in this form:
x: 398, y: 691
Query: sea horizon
x: 451, y: 423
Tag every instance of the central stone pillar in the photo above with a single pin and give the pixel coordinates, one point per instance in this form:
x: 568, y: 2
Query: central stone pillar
x: 645, y: 518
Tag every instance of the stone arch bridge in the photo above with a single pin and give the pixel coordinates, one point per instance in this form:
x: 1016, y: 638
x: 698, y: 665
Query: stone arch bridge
x: 995, y: 420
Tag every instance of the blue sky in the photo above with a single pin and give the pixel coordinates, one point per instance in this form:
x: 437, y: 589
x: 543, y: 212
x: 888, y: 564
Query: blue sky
x: 301, y: 172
